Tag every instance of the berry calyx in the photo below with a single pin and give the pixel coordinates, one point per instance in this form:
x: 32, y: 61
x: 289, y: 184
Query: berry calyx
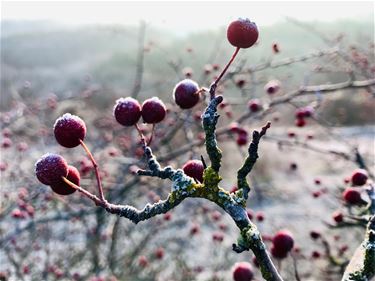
x: 359, y: 177
x: 153, y: 110
x: 186, y: 94
x: 242, y: 33
x: 69, y: 130
x: 62, y: 187
x: 283, y: 241
x: 194, y: 169
x: 352, y: 196
x: 243, y: 271
x: 50, y: 169
x: 127, y: 111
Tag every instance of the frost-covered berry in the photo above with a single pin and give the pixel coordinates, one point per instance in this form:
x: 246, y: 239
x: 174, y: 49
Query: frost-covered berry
x: 352, y: 196
x: 194, y: 169
x: 243, y: 271
x: 283, y: 241
x: 69, y: 130
x: 127, y: 111
x: 359, y: 177
x: 242, y: 33
x: 153, y: 110
x: 51, y: 168
x: 186, y: 94
x: 62, y: 187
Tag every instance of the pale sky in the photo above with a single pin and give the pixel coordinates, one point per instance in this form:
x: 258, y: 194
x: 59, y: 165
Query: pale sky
x: 184, y: 16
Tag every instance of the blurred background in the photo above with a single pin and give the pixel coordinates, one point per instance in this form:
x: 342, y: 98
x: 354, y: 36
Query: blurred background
x: 80, y: 57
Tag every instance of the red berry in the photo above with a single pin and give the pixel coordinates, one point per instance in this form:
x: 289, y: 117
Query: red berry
x: 186, y: 94
x: 194, y: 169
x: 69, y: 130
x: 242, y: 33
x: 317, y: 181
x: 233, y: 127
x: 291, y: 133
x: 194, y: 229
x: 316, y: 194
x: 153, y: 110
x: 359, y: 177
x: 275, y: 48
x: 243, y: 271
x: 315, y: 234
x: 218, y: 236
x: 254, y: 105
x: 159, y: 253
x: 7, y: 142
x: 216, y: 215
x: 352, y: 196
x: 143, y: 261
x: 260, y: 216
x: 300, y: 113
x: 127, y: 111
x: 300, y: 122
x: 278, y: 253
x: 240, y: 82
x: 7, y: 133
x: 242, y: 138
x: 51, y: 168
x: 293, y: 166
x: 272, y: 87
x: 315, y: 255
x: 308, y: 111
x: 62, y: 187
x: 188, y: 72
x: 283, y: 241
x: 167, y: 216
x: 338, y: 216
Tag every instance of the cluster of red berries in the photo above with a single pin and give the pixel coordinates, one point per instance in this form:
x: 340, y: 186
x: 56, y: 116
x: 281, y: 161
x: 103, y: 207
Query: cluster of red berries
x: 128, y: 111
x: 301, y: 115
x: 50, y: 169
x: 242, y: 135
x: 352, y: 195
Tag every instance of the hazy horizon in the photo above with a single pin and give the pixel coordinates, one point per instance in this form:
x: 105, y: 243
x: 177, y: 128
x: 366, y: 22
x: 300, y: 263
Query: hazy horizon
x: 183, y: 17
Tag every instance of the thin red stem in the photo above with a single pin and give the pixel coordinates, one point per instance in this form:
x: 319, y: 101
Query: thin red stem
x: 141, y: 135
x: 89, y: 195
x: 216, y: 82
x: 152, y: 135
x: 99, y: 182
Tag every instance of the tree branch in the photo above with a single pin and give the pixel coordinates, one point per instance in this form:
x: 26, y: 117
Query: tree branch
x: 210, y: 118
x: 242, y: 184
x: 362, y: 265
